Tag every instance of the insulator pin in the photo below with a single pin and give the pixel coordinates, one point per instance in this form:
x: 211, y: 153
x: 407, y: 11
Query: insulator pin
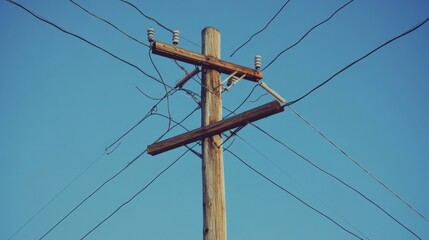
x: 258, y: 62
x: 151, y: 35
x: 176, y: 34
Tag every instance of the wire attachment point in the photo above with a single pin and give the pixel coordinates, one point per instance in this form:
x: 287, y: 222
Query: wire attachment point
x: 176, y: 34
x: 151, y: 35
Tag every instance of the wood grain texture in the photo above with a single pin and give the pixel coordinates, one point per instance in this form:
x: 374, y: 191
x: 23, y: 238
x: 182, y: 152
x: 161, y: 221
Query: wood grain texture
x: 204, y: 60
x: 215, y: 128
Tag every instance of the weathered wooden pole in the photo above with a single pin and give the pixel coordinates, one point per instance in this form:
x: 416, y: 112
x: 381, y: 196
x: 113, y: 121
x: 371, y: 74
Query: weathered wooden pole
x: 214, y: 207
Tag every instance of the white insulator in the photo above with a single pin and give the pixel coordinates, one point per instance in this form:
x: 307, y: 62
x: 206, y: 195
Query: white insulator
x: 232, y: 81
x: 258, y: 62
x: 176, y: 37
x: 277, y: 96
x: 151, y: 35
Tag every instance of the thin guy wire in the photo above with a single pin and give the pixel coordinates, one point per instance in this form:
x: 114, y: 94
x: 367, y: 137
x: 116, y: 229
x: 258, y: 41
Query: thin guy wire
x: 358, y: 164
x: 338, y: 179
x: 157, y: 22
x: 87, y: 41
x: 358, y: 60
x: 57, y: 195
x: 287, y: 174
x: 109, y: 23
x: 227, y: 149
x: 278, y: 12
x: 293, y: 195
x: 104, y: 183
x: 90, y: 195
x: 311, y: 29
x: 136, y: 194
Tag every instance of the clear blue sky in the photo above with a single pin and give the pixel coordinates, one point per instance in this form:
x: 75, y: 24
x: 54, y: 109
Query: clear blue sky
x: 62, y: 102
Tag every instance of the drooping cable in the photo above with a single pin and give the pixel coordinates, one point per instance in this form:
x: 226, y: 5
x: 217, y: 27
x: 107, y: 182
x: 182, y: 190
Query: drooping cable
x: 135, y: 195
x: 156, y: 21
x: 269, y: 22
x: 358, y: 164
x: 291, y: 194
x: 148, y: 114
x: 165, y: 88
x: 287, y: 174
x: 358, y: 60
x: 56, y: 195
x: 105, y: 182
x: 337, y: 179
x: 311, y: 29
x: 243, y: 102
x: 109, y: 23
x: 86, y: 41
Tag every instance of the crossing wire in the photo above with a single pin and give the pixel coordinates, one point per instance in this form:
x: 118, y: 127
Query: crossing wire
x: 109, y: 23
x: 88, y: 42
x: 309, y: 31
x: 265, y: 27
x: 156, y: 21
x: 359, y: 164
x: 358, y: 60
x: 337, y: 179
x: 136, y: 194
x: 291, y: 194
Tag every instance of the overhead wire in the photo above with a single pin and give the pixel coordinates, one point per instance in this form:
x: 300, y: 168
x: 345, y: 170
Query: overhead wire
x: 287, y: 174
x: 335, y: 177
x: 358, y: 60
x: 109, y: 23
x: 135, y: 195
x: 87, y: 41
x: 257, y: 99
x: 324, y: 136
x: 243, y: 102
x: 309, y: 31
x: 265, y: 27
x: 338, y: 180
x: 291, y: 194
x: 157, y: 22
x: 165, y: 88
x: 227, y: 149
x: 106, y: 181
x: 56, y: 196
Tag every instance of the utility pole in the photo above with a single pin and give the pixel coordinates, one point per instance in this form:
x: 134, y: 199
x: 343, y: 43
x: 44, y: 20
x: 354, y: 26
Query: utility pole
x: 212, y: 122
x: 214, y: 207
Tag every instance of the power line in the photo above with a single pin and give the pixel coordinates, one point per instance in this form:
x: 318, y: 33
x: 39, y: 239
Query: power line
x: 287, y: 174
x: 106, y: 152
x: 87, y: 41
x: 293, y: 195
x: 148, y: 114
x: 311, y: 29
x: 358, y: 164
x: 135, y: 195
x: 278, y: 12
x: 56, y: 196
x: 165, y: 88
x: 156, y: 21
x: 338, y: 179
x: 335, y: 177
x: 244, y: 101
x: 108, y: 180
x: 111, y: 24
x: 94, y: 192
x: 358, y: 60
